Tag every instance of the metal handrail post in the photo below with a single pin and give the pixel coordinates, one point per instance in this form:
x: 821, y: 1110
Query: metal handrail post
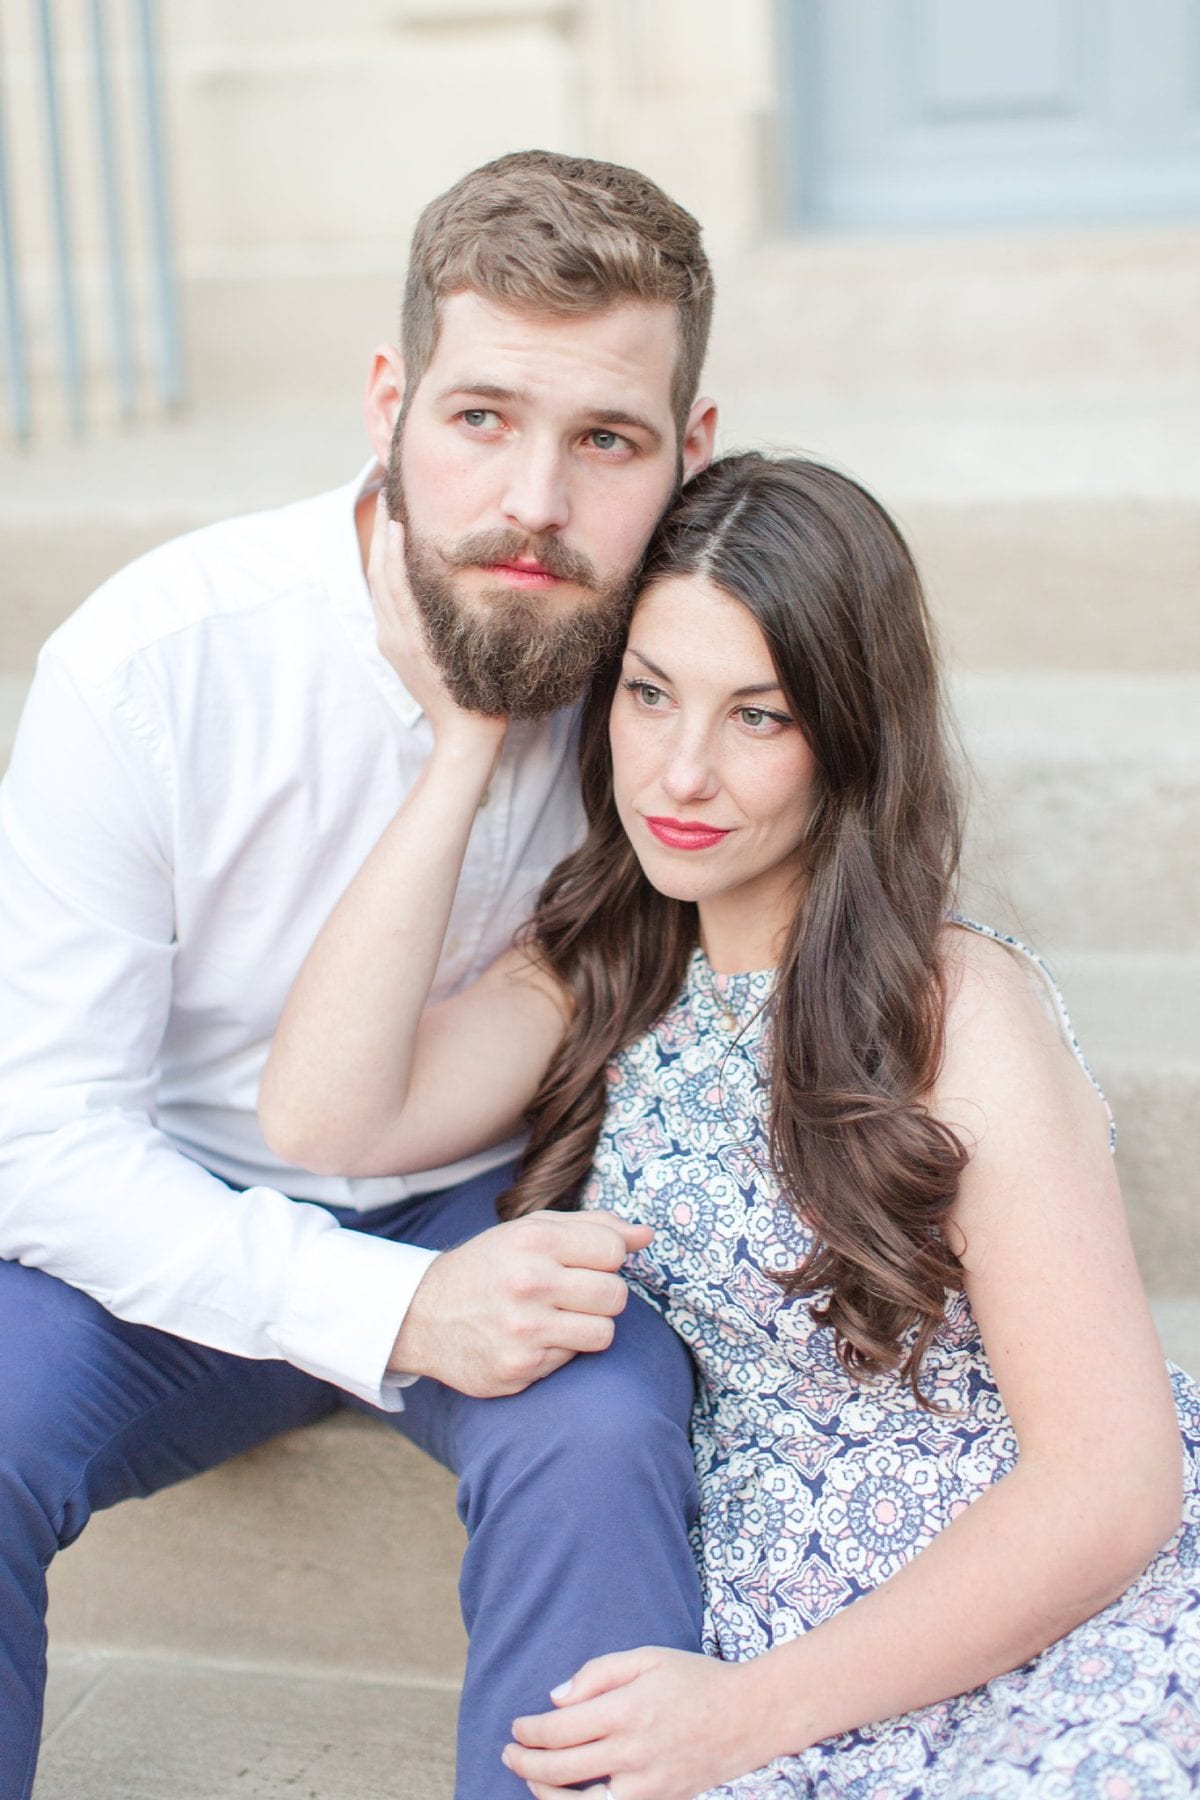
x: 15, y: 351
x: 114, y: 231
x: 68, y: 311
x: 168, y: 313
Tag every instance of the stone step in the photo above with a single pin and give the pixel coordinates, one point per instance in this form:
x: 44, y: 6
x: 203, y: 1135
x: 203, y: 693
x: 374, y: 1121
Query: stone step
x: 330, y: 1553
x: 811, y: 322
x: 71, y: 514
x: 125, y: 1728
x: 830, y: 313
x: 803, y: 329
x: 331, y: 1549
x: 329, y: 94
x: 1137, y: 1017
x: 1074, y: 585
x: 985, y: 313
x: 190, y: 1662
x: 1083, y: 806
x: 1057, y: 529
x: 13, y: 689
x: 1050, y: 537
x: 330, y: 101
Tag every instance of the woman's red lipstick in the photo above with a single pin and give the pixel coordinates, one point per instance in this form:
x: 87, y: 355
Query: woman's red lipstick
x: 678, y: 834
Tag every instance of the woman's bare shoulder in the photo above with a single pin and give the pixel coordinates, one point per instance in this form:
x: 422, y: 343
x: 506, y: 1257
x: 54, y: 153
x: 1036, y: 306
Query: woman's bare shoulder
x: 992, y: 984
x: 1008, y: 1050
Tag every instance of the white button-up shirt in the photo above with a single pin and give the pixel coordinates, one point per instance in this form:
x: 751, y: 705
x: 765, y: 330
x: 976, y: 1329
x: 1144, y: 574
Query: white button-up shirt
x: 211, y: 746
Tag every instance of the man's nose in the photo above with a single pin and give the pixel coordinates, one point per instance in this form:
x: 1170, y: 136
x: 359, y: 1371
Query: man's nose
x: 535, y: 498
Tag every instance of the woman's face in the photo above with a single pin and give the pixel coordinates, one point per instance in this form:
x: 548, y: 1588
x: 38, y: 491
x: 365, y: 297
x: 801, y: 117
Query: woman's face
x: 713, y: 777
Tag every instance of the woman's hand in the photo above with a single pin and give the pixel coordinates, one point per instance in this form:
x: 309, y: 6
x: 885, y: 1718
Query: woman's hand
x: 644, y: 1724
x: 401, y: 639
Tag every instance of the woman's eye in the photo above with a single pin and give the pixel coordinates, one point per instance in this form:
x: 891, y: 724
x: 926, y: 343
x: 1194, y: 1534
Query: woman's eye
x: 479, y: 418
x: 646, y: 694
x: 759, y: 719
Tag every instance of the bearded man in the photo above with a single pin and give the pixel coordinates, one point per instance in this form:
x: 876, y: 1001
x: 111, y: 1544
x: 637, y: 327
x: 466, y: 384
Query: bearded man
x: 211, y: 746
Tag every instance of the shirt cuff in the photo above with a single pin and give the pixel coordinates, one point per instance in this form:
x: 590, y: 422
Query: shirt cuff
x: 345, y: 1304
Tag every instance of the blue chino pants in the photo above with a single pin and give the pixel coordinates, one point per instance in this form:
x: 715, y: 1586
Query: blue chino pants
x: 576, y: 1494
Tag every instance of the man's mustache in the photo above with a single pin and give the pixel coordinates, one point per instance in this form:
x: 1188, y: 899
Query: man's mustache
x: 500, y: 546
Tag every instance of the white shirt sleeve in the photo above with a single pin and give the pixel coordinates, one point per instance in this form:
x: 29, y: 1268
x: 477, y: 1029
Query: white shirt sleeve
x: 90, y: 1189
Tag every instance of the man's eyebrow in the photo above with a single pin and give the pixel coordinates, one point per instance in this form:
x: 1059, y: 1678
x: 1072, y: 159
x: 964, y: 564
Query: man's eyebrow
x: 484, y: 390
x: 760, y: 687
x: 613, y: 415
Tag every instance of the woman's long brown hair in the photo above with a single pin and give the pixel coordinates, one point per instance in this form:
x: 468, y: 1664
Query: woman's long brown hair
x: 857, y: 1010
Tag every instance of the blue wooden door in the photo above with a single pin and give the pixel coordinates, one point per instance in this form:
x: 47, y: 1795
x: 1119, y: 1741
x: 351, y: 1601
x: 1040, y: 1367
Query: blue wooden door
x: 944, y: 112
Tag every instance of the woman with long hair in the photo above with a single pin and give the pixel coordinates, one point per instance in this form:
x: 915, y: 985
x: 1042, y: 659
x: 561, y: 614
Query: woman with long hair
x: 939, y: 1457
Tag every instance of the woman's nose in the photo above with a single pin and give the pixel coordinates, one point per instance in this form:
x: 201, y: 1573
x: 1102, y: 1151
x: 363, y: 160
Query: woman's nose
x: 689, y: 774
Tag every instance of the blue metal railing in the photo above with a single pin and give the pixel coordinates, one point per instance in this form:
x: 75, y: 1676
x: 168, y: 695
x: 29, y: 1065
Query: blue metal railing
x: 134, y: 26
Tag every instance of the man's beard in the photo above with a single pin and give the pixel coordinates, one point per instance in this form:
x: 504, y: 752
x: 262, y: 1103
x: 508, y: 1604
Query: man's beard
x: 510, y: 653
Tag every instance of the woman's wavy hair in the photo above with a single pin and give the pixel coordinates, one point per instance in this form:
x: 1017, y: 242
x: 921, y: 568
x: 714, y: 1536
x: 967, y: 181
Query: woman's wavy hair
x: 857, y: 1009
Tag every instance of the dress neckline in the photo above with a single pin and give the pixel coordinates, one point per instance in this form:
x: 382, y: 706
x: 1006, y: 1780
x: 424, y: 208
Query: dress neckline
x: 736, y: 1000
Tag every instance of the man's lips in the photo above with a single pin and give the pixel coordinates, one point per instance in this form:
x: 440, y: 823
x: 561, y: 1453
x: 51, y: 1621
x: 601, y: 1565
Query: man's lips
x: 680, y: 834
x: 522, y: 574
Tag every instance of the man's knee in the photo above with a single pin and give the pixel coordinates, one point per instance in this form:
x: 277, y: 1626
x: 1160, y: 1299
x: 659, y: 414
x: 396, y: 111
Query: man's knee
x: 601, y: 1422
x: 43, y: 1353
x: 629, y: 1394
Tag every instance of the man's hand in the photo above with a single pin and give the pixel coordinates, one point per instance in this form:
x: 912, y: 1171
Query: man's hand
x: 397, y: 623
x: 518, y: 1301
x: 401, y: 638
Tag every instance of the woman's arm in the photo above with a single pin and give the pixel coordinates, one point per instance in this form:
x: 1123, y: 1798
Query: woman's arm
x: 361, y: 1079
x: 1051, y: 1278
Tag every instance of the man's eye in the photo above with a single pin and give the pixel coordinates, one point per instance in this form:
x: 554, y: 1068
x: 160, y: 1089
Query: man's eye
x: 479, y: 418
x: 607, y: 440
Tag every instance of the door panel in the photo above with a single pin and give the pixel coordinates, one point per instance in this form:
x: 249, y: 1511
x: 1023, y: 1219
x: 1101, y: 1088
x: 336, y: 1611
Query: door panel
x: 932, y: 112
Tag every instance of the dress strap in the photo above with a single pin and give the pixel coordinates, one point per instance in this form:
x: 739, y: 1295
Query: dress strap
x: 1052, y: 990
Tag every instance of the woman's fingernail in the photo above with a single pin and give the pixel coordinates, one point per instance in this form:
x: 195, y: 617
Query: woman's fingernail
x: 506, y: 1756
x: 561, y: 1691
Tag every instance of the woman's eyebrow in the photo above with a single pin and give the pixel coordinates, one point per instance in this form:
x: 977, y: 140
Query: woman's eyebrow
x: 654, y: 669
x: 759, y: 687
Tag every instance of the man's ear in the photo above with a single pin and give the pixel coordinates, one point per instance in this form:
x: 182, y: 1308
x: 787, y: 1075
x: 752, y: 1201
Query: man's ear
x: 383, y: 399
x: 699, y: 437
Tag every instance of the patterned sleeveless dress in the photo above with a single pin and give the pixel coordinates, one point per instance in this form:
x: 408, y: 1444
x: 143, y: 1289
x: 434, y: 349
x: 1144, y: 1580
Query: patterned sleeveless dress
x: 815, y: 1488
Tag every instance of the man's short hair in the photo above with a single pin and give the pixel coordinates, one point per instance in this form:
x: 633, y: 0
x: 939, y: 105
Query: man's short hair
x: 543, y: 233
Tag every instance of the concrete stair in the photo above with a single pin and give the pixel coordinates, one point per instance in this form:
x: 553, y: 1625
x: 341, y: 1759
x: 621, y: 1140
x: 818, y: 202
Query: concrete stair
x: 147, y: 1730
x: 1027, y: 410
x: 200, y: 1655
x: 287, y: 1624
